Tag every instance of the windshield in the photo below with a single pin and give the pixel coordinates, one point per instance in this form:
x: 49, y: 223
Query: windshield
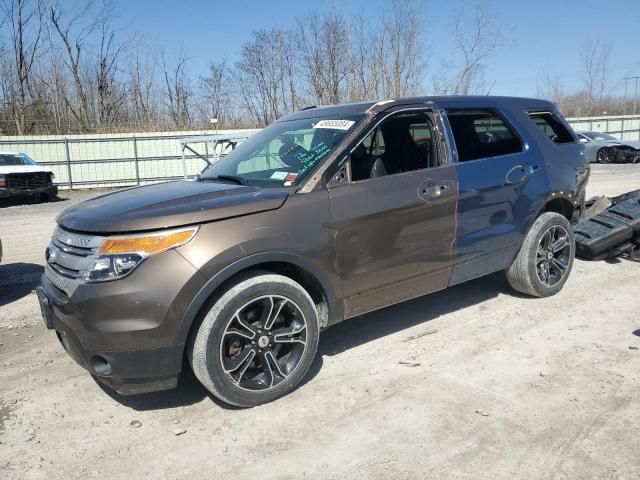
x: 599, y: 136
x: 10, y: 159
x: 284, y: 153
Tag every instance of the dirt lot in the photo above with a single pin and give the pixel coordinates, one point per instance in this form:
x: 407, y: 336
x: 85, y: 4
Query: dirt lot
x: 505, y: 387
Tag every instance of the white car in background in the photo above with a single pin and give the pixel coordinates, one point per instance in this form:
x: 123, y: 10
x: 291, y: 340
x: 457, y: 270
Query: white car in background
x: 605, y: 148
x: 20, y: 176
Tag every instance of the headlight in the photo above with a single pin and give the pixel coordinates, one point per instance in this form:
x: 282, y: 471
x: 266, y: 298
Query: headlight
x: 3, y: 181
x: 119, y: 256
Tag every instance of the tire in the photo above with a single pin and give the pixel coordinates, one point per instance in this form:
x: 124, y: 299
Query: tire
x: 228, y: 352
x: 606, y: 155
x: 48, y: 197
x: 527, y: 272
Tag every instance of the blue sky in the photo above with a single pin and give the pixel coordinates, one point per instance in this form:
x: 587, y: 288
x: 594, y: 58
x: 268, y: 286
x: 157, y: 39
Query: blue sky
x: 544, y: 33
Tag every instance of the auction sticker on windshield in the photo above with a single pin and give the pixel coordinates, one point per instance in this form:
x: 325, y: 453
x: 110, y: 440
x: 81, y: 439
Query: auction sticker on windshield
x: 335, y: 124
x: 279, y: 175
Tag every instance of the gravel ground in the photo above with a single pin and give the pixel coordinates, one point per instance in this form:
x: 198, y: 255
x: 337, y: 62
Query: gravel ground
x: 473, y: 382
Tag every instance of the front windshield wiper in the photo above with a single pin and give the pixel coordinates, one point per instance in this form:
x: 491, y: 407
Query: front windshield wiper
x: 227, y: 178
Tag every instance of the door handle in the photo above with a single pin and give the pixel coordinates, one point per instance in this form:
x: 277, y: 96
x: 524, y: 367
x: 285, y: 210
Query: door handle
x: 433, y: 191
x: 517, y: 174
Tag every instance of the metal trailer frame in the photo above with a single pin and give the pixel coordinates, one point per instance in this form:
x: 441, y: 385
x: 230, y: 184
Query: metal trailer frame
x: 211, y: 144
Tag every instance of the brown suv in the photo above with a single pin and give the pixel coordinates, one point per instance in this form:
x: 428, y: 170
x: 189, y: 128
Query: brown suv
x: 326, y: 214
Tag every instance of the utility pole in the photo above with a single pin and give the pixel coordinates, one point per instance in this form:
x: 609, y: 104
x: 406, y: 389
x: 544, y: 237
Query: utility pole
x: 635, y: 96
x: 624, y: 108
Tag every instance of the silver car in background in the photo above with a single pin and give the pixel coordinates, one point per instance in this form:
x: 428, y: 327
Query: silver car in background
x: 605, y: 148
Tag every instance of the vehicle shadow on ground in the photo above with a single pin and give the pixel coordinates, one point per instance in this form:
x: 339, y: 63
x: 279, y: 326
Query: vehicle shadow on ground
x: 29, y: 201
x: 365, y: 328
x: 342, y: 337
x: 189, y: 392
x: 17, y: 280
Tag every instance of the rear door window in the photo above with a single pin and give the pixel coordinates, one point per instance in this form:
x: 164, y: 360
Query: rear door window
x: 482, y: 134
x: 552, y: 127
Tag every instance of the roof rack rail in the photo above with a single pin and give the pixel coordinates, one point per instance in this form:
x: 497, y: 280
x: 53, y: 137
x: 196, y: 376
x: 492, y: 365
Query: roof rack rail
x: 308, y: 108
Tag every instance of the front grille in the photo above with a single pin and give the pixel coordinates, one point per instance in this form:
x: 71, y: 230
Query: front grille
x: 71, y: 239
x: 27, y: 181
x: 65, y: 272
x: 56, y: 279
x: 68, y: 256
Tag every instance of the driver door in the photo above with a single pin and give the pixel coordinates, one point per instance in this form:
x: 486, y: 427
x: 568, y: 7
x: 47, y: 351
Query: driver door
x: 394, y: 233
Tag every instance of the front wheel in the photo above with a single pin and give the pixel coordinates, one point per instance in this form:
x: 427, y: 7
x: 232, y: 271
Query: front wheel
x: 604, y: 155
x: 544, y: 262
x: 257, y: 341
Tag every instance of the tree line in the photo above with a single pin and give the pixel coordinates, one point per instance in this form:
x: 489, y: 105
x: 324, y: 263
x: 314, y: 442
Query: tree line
x: 75, y: 69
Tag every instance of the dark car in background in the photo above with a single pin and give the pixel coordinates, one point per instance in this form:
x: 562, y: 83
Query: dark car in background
x: 326, y: 214
x: 20, y: 176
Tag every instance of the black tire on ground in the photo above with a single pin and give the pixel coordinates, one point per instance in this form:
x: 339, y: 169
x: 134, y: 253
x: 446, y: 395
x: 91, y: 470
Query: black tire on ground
x: 221, y: 341
x: 48, y: 197
x: 602, y: 156
x: 527, y: 272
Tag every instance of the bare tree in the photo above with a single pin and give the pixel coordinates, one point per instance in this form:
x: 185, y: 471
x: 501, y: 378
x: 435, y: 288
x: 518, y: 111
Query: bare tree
x: 326, y: 58
x: 110, y: 95
x: 551, y: 87
x: 595, y: 62
x: 74, y: 33
x: 178, y: 90
x: 366, y: 57
x: 215, y: 89
x: 477, y: 37
x: 405, y: 62
x: 266, y: 76
x: 25, y: 35
x: 142, y: 89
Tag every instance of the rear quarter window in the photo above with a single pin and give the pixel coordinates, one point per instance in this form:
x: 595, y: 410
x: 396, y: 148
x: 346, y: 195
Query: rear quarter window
x: 482, y: 134
x: 552, y: 127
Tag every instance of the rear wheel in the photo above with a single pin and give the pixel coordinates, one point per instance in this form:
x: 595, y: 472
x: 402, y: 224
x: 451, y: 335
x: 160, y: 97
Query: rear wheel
x: 545, y: 260
x: 257, y: 341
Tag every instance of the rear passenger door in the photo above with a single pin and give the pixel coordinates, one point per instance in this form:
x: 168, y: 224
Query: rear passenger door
x: 501, y: 183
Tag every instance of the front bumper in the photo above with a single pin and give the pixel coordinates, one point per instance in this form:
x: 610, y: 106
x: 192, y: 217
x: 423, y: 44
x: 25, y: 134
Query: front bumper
x: 124, y: 332
x: 49, y: 190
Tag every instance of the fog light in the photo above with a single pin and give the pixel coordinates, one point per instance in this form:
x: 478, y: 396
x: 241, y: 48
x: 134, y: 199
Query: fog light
x: 100, y: 365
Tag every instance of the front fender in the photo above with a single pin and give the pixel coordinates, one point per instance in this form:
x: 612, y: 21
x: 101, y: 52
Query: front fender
x: 336, y: 310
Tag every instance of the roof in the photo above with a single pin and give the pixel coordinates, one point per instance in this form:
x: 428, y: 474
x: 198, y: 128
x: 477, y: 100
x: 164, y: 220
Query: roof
x: 463, y: 100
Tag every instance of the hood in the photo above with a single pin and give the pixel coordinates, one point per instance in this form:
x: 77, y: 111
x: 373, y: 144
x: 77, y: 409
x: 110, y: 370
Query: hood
x: 4, y: 169
x: 632, y: 143
x: 615, y: 143
x: 171, y: 204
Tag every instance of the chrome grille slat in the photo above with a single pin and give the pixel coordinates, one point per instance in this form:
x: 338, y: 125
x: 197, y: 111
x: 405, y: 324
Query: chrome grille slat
x: 58, y: 281
x: 76, y: 239
x: 80, y: 252
x: 70, y: 254
x: 65, y: 272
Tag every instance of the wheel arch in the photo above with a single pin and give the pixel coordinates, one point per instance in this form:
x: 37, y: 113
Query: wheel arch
x: 312, y: 279
x: 559, y: 204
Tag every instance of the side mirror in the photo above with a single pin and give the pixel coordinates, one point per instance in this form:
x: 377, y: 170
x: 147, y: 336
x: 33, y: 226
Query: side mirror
x: 583, y: 140
x: 342, y: 175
